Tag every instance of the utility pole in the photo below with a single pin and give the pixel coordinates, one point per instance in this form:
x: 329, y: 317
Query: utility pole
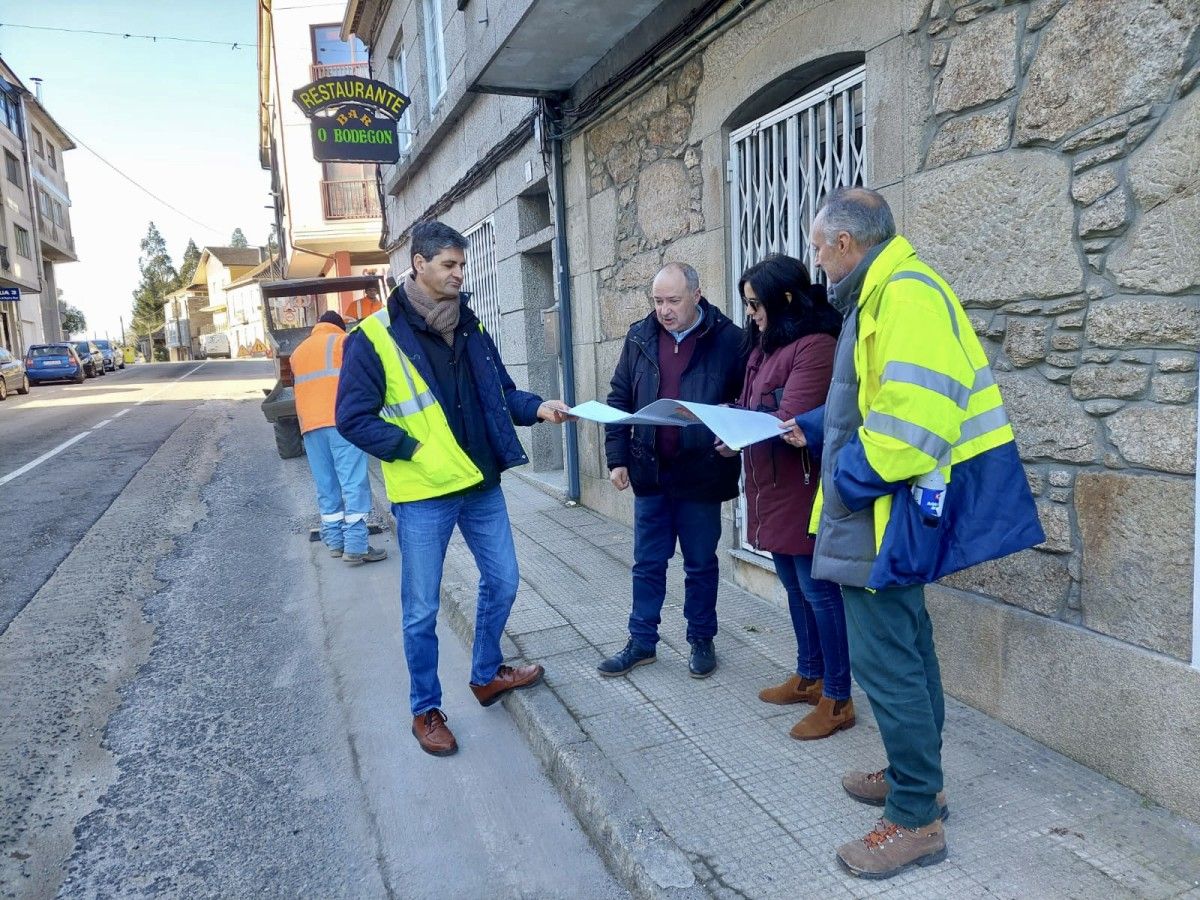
x: 123, y: 344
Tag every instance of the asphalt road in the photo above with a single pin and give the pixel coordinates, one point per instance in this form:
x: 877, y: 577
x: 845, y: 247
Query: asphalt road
x: 230, y: 719
x: 116, y: 423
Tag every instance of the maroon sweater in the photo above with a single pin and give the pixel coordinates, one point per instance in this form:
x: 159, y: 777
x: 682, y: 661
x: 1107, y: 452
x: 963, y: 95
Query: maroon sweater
x: 673, y: 360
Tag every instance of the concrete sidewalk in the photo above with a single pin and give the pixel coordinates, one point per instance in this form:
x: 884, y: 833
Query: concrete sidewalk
x: 693, y: 788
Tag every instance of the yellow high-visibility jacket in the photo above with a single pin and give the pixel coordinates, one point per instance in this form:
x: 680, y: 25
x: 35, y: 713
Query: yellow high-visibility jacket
x: 927, y: 400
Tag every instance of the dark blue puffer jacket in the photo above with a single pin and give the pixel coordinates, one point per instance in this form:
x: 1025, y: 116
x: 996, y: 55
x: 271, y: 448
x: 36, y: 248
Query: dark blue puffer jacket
x: 362, y: 386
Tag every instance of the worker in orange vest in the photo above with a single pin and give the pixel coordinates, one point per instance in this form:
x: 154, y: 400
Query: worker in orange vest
x: 338, y: 467
x: 360, y: 307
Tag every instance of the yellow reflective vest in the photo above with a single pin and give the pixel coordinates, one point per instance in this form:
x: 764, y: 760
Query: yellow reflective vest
x: 927, y: 400
x: 440, y: 466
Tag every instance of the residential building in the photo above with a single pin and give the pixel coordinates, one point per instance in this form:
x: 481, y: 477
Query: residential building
x: 218, y: 269
x: 247, y: 330
x: 185, y: 322
x: 48, y: 143
x: 327, y: 214
x: 35, y: 225
x: 24, y: 321
x: 708, y: 132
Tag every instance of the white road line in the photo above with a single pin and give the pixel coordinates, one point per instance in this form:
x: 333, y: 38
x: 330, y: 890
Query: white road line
x: 41, y: 459
x: 50, y: 454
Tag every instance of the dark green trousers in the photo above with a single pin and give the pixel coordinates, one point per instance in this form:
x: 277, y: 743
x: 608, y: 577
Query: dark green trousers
x: 894, y: 662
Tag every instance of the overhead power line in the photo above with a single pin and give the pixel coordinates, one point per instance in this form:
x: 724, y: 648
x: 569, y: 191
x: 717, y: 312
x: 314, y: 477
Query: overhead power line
x: 139, y: 186
x: 232, y: 45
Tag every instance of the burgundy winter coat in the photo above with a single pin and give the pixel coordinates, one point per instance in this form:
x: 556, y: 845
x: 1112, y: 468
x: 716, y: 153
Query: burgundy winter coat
x: 781, y: 480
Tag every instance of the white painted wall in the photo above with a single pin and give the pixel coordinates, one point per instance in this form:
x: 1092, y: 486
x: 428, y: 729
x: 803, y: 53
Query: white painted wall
x: 245, y: 317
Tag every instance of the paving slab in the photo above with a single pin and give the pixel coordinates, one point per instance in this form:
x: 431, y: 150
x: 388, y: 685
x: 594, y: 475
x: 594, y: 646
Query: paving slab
x: 694, y: 788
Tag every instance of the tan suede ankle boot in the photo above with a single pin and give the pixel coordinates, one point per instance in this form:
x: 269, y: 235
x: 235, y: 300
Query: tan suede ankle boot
x: 829, y: 717
x: 796, y: 689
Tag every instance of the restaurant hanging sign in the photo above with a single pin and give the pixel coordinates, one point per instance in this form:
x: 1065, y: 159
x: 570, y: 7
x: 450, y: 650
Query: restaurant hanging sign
x: 352, y: 119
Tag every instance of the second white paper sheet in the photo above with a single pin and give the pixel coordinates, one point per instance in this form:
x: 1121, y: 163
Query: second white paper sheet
x: 737, y: 428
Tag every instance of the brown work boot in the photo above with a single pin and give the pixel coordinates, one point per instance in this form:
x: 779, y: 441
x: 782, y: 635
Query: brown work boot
x: 429, y: 728
x: 872, y: 788
x: 797, y: 689
x: 507, y: 679
x: 830, y: 717
x: 889, y: 849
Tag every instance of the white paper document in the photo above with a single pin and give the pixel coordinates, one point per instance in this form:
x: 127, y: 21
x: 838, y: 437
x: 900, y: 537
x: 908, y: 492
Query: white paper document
x: 737, y: 428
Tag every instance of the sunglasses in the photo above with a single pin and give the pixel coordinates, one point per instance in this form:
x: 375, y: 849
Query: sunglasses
x: 754, y: 305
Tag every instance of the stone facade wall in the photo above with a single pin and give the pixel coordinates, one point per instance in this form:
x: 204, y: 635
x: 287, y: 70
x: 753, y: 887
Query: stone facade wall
x: 1059, y: 194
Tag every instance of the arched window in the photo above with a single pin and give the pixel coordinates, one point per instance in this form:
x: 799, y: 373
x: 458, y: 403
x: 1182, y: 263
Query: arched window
x: 783, y: 163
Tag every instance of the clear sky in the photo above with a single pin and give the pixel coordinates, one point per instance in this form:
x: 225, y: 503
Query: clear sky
x: 181, y: 119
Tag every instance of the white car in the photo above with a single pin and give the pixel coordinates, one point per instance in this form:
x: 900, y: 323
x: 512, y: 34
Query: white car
x: 215, y: 345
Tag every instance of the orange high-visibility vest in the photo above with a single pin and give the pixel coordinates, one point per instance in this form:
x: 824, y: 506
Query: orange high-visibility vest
x: 316, y: 364
x: 360, y: 307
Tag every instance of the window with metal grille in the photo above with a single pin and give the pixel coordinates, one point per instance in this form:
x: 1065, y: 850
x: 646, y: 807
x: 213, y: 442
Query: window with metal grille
x: 780, y: 168
x: 481, y: 279
x: 782, y: 165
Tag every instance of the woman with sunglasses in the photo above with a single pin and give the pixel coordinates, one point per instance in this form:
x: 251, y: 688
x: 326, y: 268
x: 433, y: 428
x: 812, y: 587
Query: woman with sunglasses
x: 792, y: 331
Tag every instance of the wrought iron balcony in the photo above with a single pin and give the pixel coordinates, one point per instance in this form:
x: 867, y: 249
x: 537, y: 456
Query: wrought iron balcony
x: 350, y: 199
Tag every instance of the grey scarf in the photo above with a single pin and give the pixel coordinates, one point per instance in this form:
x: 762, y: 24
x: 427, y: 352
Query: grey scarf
x: 440, y: 315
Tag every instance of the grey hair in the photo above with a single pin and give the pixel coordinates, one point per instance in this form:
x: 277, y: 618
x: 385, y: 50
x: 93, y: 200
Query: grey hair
x: 431, y: 238
x: 860, y: 212
x: 690, y: 275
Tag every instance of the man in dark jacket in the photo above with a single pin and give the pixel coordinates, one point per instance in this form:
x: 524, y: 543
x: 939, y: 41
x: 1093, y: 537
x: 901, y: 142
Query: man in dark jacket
x: 685, y: 350
x: 424, y: 390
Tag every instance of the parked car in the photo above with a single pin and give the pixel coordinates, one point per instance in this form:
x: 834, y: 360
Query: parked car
x: 12, y: 375
x: 93, y: 359
x: 215, y: 345
x: 113, y: 358
x: 54, y: 362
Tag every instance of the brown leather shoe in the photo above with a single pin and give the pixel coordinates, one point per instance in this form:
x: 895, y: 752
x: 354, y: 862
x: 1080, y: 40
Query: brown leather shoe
x: 830, y: 717
x: 429, y: 728
x: 889, y: 849
x: 872, y: 789
x: 507, y: 679
x: 797, y: 689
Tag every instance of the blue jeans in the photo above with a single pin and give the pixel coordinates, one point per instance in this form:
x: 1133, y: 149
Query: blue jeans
x: 896, y: 665
x: 658, y: 523
x: 424, y: 528
x: 343, y: 491
x: 820, y: 624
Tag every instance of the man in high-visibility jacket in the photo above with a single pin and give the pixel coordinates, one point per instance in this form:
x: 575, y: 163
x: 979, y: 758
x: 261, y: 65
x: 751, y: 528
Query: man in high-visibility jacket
x: 920, y: 477
x: 359, y: 308
x: 424, y: 390
x: 338, y: 467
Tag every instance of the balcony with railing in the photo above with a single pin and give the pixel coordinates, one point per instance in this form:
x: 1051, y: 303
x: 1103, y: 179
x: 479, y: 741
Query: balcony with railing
x: 350, y: 199
x: 333, y: 70
x: 58, y: 244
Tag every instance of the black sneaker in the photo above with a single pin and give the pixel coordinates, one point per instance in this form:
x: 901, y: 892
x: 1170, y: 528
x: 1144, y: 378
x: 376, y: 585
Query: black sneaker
x: 703, y: 661
x: 629, y: 658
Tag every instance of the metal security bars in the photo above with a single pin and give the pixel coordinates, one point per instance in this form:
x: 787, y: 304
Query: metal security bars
x: 780, y: 168
x: 481, y: 279
x: 783, y: 164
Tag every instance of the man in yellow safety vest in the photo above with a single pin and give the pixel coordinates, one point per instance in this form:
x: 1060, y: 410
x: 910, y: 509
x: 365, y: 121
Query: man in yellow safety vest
x: 424, y: 390
x: 920, y: 477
